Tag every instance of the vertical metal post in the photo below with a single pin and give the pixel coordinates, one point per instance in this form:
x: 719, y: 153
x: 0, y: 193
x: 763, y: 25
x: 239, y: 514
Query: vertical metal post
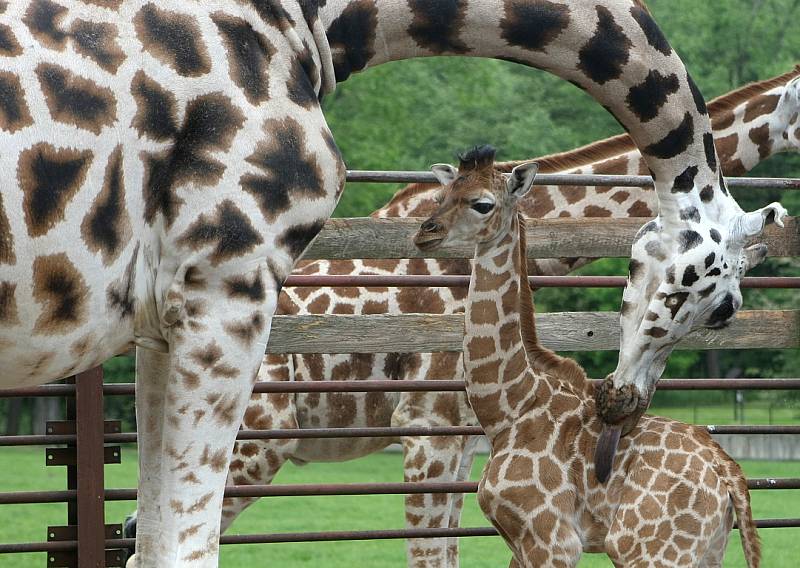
x: 90, y: 483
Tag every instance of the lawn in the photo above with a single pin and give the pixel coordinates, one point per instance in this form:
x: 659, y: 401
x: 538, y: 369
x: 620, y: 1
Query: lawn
x: 21, y: 469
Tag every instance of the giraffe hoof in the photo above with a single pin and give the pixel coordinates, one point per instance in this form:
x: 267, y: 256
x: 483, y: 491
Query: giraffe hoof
x: 605, y: 451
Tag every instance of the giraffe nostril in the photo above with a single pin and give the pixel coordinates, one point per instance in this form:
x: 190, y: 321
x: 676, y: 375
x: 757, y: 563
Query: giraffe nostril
x: 430, y: 226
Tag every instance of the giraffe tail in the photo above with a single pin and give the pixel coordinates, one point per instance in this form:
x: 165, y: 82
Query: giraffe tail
x: 740, y: 496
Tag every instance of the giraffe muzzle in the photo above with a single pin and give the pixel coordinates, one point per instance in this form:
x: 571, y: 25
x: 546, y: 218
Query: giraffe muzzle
x: 430, y: 235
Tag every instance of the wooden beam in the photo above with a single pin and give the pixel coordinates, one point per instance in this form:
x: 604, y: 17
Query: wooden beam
x: 562, y: 331
x: 365, y: 237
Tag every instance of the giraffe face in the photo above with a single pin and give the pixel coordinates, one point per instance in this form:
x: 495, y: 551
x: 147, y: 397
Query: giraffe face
x: 675, y: 286
x: 476, y: 203
x: 791, y: 104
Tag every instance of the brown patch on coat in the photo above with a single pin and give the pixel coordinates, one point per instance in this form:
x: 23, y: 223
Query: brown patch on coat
x: 14, y: 112
x: 76, y: 100
x: 759, y: 106
x: 49, y: 178
x: 639, y: 209
x: 174, y: 39
x: 8, y: 303
x: 7, y: 255
x: 761, y: 138
x: 61, y: 291
x: 9, y: 45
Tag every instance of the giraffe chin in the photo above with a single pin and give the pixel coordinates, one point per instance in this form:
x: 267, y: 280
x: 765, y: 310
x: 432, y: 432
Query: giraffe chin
x: 426, y: 243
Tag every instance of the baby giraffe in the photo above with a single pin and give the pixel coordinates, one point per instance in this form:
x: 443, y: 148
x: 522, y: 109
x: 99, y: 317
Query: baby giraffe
x: 673, y: 491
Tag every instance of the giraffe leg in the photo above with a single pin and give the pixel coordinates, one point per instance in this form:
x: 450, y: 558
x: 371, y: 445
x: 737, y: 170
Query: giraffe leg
x: 213, y: 360
x: 432, y: 459
x: 256, y: 462
x: 719, y: 542
x: 457, y: 499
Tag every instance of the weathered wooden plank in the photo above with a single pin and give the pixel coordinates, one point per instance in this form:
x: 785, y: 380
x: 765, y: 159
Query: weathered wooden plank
x: 562, y: 331
x: 365, y: 237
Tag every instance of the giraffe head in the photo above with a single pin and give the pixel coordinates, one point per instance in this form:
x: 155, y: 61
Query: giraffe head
x: 476, y: 202
x: 790, y: 101
x: 685, y: 274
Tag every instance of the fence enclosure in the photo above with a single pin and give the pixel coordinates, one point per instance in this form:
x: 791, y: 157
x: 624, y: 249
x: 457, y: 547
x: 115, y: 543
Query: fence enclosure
x: 86, y: 441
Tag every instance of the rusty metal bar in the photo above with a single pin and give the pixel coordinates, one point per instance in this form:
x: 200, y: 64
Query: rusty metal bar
x: 128, y: 389
x: 371, y: 432
x: 89, y: 438
x: 403, y: 176
x: 385, y: 534
x: 458, y: 281
x: 308, y: 490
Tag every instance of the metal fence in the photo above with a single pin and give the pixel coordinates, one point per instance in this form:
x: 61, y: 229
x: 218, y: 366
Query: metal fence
x: 85, y: 441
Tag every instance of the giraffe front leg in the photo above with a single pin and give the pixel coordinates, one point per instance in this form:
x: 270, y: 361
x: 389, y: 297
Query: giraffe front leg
x: 217, y: 340
x: 457, y: 501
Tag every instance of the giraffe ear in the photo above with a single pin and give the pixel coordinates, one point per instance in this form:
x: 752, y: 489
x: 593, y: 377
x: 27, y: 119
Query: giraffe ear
x: 752, y: 224
x: 521, y: 178
x: 445, y: 173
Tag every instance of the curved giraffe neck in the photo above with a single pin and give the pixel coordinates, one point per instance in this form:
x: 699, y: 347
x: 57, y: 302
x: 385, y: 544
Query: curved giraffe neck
x: 612, y: 49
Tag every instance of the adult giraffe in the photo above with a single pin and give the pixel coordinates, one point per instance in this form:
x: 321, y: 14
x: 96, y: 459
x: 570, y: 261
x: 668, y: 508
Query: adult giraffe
x: 169, y: 162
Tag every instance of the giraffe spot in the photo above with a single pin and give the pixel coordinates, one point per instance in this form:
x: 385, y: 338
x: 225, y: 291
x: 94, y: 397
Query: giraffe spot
x: 714, y: 272
x: 290, y: 172
x: 707, y: 194
x: 43, y: 19
x: 437, y: 24
x: 9, y: 46
x: 684, y: 183
x: 484, y: 312
x: 245, y: 332
x: 699, y: 101
x: 654, y: 249
x: 542, y: 204
x: 669, y: 274
x: 596, y: 211
x: 109, y: 4
x: 690, y: 276
x: 155, y: 108
x: 533, y: 24
x: 690, y: 214
x: 549, y: 473
x: 620, y: 196
x: 760, y: 106
x: 49, y: 178
x: 8, y: 303
x: 573, y: 193
x: 710, y: 259
x: 106, y: 227
x: 688, y: 239
x: 210, y: 123
x: 14, y: 112
x: 217, y: 460
x: 711, y: 155
x: 295, y: 239
x: 62, y: 293
x: 228, y: 231
x: 761, y: 138
x: 603, y: 56
x: 351, y: 37
x: 723, y: 312
x: 249, y: 55
x: 120, y: 296
x: 715, y: 236
x: 299, y: 87
x: 7, y: 255
x: 635, y: 270
x: 174, y: 39
x: 646, y: 98
x: 240, y: 288
x: 398, y: 366
x: 723, y: 121
x: 652, y: 32
x: 75, y: 100
x: 675, y: 142
x: 98, y: 42
x: 342, y: 409
x: 639, y: 209
x: 656, y: 332
x: 420, y: 300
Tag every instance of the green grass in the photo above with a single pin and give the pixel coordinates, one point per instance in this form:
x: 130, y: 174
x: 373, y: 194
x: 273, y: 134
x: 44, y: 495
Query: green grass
x: 723, y: 414
x: 22, y: 469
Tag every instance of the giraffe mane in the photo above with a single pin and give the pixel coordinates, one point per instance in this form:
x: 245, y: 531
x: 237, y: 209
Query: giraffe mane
x: 729, y: 101
x: 541, y: 358
x: 476, y: 158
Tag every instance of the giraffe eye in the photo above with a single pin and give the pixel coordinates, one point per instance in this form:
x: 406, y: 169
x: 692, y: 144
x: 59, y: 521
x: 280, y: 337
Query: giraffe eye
x: 482, y: 207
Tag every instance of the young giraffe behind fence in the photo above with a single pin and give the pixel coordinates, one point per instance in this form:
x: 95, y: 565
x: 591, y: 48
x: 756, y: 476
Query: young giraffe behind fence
x: 741, y: 120
x: 673, y: 495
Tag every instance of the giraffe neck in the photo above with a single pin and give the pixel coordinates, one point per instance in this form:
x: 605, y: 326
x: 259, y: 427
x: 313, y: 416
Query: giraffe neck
x: 496, y: 357
x: 613, y: 50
